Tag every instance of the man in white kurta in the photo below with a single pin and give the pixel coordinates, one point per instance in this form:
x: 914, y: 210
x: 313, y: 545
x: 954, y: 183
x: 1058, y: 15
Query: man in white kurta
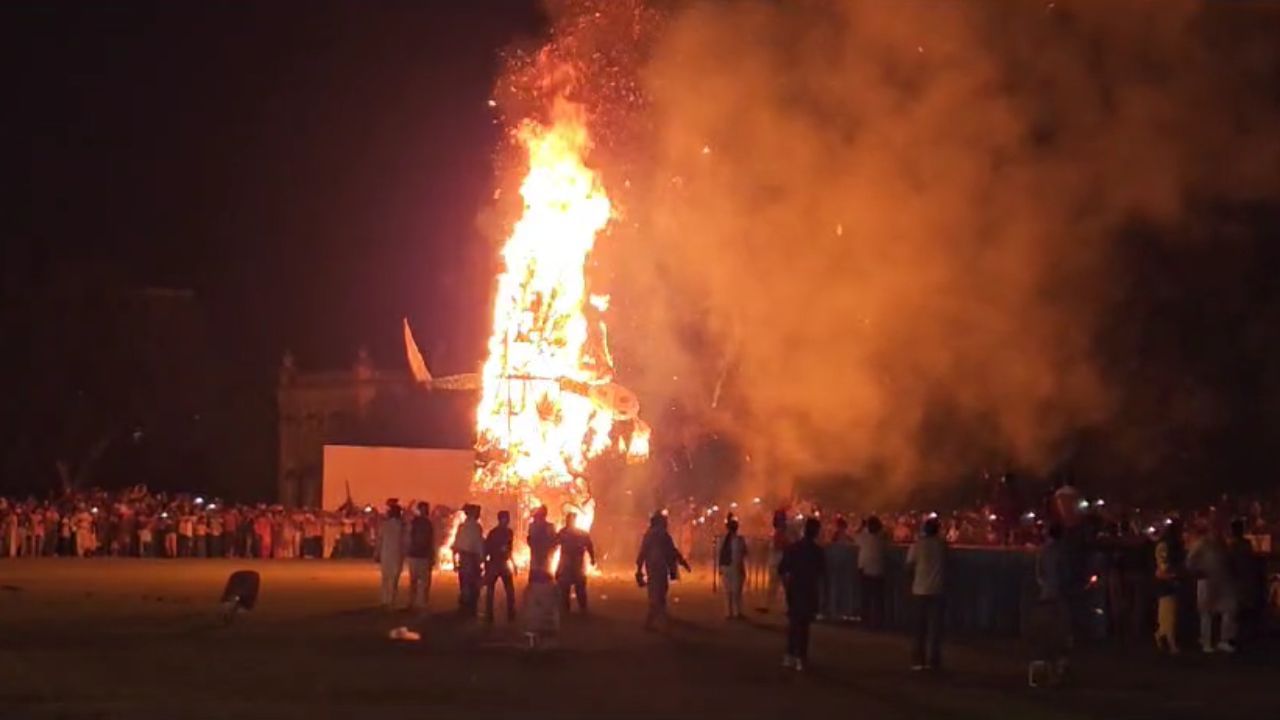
x: 391, y: 547
x: 1215, y: 591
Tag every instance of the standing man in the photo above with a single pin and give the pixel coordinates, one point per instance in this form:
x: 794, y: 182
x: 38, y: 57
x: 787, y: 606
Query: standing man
x: 871, y: 546
x: 468, y: 551
x: 572, y: 572
x: 927, y: 560
x: 733, y: 570
x: 802, y: 569
x: 186, y: 531
x: 497, y: 566
x: 1215, y: 590
x: 542, y: 541
x: 1249, y: 573
x: 391, y: 554
x: 1050, y: 619
x: 1171, y: 558
x: 656, y: 567
x: 422, y: 557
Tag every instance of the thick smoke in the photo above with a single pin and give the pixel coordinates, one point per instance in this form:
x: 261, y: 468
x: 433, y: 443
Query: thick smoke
x: 884, y: 230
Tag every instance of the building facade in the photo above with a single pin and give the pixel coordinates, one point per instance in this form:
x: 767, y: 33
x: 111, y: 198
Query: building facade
x: 360, y: 406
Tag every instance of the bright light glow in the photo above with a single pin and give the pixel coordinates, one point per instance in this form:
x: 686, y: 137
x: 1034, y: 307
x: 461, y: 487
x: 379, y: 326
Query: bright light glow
x: 547, y: 383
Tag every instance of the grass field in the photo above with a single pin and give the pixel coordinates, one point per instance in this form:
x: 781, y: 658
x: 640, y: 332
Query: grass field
x: 138, y: 638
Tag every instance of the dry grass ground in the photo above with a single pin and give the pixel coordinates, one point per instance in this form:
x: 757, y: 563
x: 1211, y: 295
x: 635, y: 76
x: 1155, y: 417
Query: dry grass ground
x: 133, y: 639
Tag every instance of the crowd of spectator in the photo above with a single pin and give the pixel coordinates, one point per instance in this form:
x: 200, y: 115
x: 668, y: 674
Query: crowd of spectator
x: 138, y: 523
x: 1005, y: 520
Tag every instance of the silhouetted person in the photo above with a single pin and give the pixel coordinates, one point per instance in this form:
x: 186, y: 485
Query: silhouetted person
x: 802, y: 569
x: 927, y: 560
x: 1250, y: 576
x: 497, y: 565
x: 871, y: 550
x: 1051, y: 618
x: 542, y: 541
x: 422, y: 556
x: 656, y: 567
x: 733, y: 570
x: 1171, y: 560
x: 571, y: 575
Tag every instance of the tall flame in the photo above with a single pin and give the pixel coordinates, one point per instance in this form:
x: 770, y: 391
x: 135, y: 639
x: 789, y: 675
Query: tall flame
x: 536, y: 428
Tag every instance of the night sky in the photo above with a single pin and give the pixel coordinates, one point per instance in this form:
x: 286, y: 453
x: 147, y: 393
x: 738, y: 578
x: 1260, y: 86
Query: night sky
x: 311, y: 170
x: 278, y: 176
x: 317, y: 166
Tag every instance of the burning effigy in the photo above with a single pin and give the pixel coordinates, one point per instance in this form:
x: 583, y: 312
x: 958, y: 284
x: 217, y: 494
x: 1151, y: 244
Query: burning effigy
x: 549, y: 402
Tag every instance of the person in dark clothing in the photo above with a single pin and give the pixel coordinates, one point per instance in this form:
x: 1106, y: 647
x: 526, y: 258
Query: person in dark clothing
x: 422, y: 556
x: 1170, y: 572
x: 571, y: 575
x: 542, y: 541
x: 802, y: 569
x: 497, y: 566
x: 656, y: 567
x: 1249, y: 575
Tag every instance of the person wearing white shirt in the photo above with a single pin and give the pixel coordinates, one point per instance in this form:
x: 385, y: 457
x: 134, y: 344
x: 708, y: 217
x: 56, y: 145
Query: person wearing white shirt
x: 468, y: 550
x: 927, y: 562
x: 391, y: 547
x: 871, y: 548
x: 1215, y: 591
x: 732, y: 561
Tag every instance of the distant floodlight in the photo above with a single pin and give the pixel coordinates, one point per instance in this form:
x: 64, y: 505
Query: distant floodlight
x: 199, y: 501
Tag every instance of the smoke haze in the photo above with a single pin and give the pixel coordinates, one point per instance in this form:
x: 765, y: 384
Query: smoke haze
x: 889, y: 228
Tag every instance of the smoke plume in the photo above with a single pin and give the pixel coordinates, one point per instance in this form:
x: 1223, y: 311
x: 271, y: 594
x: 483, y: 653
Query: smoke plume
x: 878, y: 237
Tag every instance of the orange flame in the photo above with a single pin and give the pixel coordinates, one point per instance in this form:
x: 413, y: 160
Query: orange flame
x: 536, y: 427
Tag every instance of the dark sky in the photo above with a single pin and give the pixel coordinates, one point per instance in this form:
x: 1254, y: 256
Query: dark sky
x: 314, y: 166
x: 312, y: 171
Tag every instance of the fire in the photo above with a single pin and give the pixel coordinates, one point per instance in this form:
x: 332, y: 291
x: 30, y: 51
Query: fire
x: 540, y: 418
x: 444, y: 553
